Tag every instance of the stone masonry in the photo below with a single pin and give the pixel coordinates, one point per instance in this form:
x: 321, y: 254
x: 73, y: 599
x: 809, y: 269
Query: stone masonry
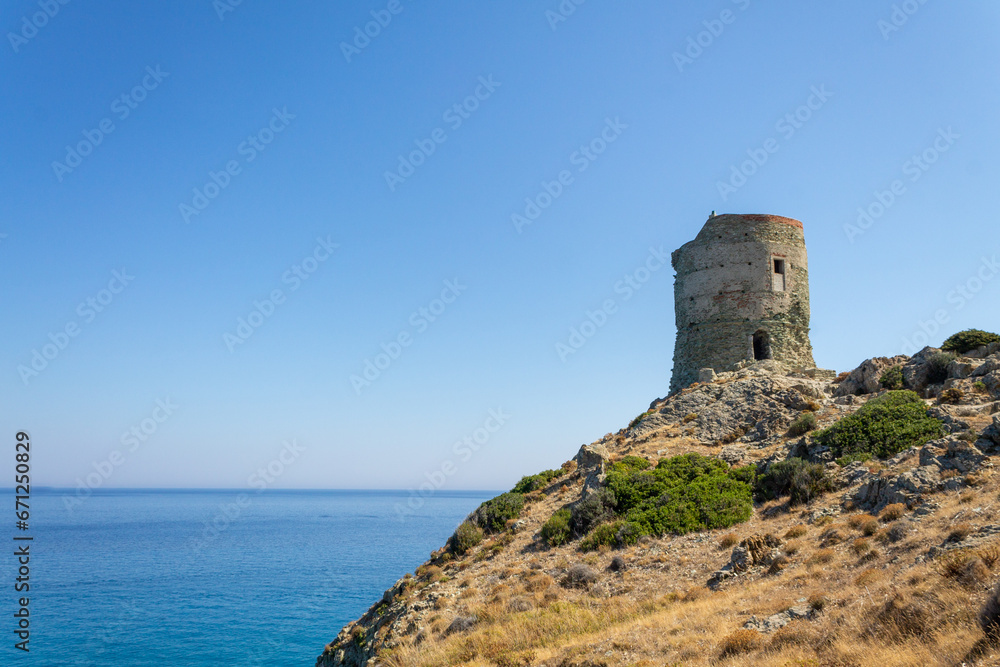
x: 741, y: 294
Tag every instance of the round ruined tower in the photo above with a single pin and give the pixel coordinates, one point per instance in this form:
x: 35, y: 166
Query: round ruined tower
x: 741, y: 293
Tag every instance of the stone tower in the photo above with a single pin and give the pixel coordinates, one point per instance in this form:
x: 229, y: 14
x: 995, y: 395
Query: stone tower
x: 741, y: 293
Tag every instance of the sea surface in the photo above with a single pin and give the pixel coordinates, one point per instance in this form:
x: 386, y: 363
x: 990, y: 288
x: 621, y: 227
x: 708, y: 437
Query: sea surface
x: 212, y: 577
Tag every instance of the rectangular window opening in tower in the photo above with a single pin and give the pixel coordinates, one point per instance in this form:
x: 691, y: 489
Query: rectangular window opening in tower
x: 778, y: 277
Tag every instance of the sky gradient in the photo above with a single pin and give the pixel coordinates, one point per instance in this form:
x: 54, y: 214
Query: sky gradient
x: 237, y: 208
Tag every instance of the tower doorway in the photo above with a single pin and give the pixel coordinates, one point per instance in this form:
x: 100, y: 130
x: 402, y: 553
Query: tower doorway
x: 761, y: 345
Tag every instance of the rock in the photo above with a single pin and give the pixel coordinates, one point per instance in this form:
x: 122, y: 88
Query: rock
x: 706, y: 375
x: 733, y: 454
x: 985, y: 368
x: 811, y: 451
x: 909, y: 487
x: 915, y: 370
x: 591, y: 462
x: 754, y: 407
x: 951, y: 454
x: 989, y: 439
x: 779, y: 620
x: 959, y: 369
x: 754, y: 551
x: 865, y: 378
x: 951, y: 424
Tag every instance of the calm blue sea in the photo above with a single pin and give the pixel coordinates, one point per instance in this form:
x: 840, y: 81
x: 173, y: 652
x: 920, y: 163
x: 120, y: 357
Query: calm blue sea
x: 210, y: 578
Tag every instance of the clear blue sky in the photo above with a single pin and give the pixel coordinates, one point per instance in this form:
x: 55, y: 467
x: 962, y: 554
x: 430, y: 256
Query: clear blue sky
x: 678, y: 128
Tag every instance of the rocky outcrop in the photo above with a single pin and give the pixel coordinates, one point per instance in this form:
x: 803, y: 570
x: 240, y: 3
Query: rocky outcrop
x: 865, y: 379
x: 753, y: 552
x: 780, y: 620
x: 751, y: 406
x: 591, y: 464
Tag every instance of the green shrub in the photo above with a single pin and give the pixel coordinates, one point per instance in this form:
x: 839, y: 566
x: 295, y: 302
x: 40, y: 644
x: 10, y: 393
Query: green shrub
x: 616, y: 534
x: 466, y: 536
x: 594, y: 509
x: 795, y: 477
x: 937, y: 366
x: 631, y: 464
x: 531, y: 483
x: 892, y: 378
x: 844, y: 461
x: 882, y: 427
x: 803, y: 424
x: 556, y: 531
x: 968, y: 340
x: 493, y: 515
x: 682, y: 494
x: 746, y: 474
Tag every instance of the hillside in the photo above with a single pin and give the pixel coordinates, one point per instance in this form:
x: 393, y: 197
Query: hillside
x: 731, y: 525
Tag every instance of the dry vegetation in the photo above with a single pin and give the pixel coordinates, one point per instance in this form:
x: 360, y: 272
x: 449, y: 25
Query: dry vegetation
x: 880, y: 603
x: 902, y: 586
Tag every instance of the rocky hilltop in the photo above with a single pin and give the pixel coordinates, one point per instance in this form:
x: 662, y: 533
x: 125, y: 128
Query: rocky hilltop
x: 759, y: 517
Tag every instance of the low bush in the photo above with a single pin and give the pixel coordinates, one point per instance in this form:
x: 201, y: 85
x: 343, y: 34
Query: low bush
x: 960, y: 532
x: 892, y: 378
x: 682, y: 494
x: 579, y: 576
x: 537, y: 482
x: 466, y: 536
x: 937, y: 366
x: 728, y: 541
x: 892, y: 512
x: 492, y: 516
x: 741, y: 641
x: 904, y: 618
x: 989, y: 615
x: 630, y: 464
x: 594, y: 509
x: 615, y: 534
x: 821, y: 556
x: 804, y: 423
x: 617, y: 564
x: 979, y: 386
x: 968, y: 340
x: 462, y: 624
x: 796, y: 531
x: 952, y: 396
x: 882, y: 427
x: 556, y: 530
x: 795, y: 477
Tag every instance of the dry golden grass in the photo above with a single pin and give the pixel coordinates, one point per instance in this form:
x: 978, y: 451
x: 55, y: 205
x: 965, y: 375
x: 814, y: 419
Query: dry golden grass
x: 728, y: 541
x: 796, y: 531
x: 892, y: 512
x: 876, y: 607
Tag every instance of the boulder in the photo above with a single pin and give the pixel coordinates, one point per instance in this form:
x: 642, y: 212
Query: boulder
x: 865, y: 378
x: 989, y: 439
x: 990, y: 365
x: 754, y: 551
x: 915, y: 370
x: 960, y: 369
x: 951, y: 423
x: 779, y: 620
x: 877, y: 491
x: 591, y: 462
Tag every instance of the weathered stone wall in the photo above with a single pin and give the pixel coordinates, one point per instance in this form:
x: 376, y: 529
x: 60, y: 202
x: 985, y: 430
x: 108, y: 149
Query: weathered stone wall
x: 724, y: 293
